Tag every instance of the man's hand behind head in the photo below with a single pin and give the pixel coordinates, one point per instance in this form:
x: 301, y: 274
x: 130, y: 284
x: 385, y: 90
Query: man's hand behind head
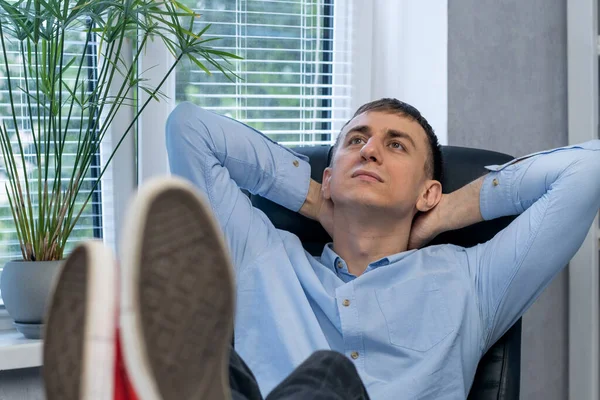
x: 426, y: 227
x: 318, y: 208
x: 325, y: 216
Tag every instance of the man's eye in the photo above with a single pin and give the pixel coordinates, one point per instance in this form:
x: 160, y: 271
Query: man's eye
x: 396, y: 145
x: 356, y: 140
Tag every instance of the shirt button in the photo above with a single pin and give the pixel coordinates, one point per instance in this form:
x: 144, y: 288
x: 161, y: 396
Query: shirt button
x: 495, y: 182
x: 346, y: 303
x: 339, y: 264
x: 296, y: 163
x: 354, y: 355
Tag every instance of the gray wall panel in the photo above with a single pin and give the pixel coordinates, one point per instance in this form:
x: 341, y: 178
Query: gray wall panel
x: 507, y: 91
x: 507, y: 72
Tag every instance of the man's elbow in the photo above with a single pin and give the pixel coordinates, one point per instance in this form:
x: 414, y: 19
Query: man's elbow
x: 595, y: 176
x: 588, y: 169
x: 185, y: 121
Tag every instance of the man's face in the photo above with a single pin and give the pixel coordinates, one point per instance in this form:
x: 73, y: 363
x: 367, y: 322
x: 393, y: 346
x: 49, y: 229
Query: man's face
x: 380, y: 163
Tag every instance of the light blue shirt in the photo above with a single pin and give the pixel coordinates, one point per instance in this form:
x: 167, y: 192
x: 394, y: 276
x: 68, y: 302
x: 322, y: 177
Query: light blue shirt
x: 416, y: 322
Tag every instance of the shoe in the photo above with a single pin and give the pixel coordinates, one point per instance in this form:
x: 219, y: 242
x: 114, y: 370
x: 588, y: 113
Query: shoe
x: 79, y: 337
x: 177, y: 295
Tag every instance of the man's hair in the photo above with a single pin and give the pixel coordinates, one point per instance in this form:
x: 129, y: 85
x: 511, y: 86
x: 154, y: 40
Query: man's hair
x: 434, y: 164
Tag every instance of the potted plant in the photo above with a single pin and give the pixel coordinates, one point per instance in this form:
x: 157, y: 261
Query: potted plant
x: 60, y: 111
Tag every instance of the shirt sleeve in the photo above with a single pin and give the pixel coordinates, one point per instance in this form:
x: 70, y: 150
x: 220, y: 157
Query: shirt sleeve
x: 557, y: 194
x: 221, y: 156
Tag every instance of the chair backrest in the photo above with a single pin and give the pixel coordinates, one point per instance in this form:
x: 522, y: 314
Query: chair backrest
x: 498, y: 373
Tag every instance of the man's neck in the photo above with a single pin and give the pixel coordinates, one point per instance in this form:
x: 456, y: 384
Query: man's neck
x: 361, y: 239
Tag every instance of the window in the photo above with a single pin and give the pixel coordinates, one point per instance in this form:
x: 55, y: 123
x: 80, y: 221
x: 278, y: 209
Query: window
x: 295, y: 77
x: 90, y: 223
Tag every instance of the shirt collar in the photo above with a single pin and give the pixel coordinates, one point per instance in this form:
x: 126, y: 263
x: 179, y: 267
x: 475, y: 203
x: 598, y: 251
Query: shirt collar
x: 333, y: 261
x: 328, y: 256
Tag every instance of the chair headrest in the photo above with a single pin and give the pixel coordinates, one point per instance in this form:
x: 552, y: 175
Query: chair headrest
x: 461, y: 166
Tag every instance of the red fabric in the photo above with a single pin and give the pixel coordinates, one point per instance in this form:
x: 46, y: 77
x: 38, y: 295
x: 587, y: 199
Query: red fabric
x: 123, y: 388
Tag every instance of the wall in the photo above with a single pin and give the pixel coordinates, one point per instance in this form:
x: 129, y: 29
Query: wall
x: 507, y: 91
x: 22, y: 384
x: 393, y: 56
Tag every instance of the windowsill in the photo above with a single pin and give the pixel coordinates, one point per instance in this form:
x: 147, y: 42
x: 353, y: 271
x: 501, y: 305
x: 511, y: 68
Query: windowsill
x: 18, y: 352
x: 15, y: 350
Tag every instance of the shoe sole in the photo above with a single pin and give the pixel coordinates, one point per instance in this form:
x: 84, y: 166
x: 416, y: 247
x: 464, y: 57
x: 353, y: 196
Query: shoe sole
x: 80, y: 330
x: 177, y: 296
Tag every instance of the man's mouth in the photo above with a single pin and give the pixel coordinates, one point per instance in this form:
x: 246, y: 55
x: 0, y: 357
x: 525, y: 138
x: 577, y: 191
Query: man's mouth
x: 367, y: 175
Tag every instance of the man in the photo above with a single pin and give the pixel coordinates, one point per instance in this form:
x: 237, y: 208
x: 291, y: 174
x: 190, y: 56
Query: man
x: 413, y: 321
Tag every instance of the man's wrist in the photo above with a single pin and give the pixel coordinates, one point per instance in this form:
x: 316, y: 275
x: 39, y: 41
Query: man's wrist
x: 310, y: 208
x: 460, y: 208
x: 442, y: 215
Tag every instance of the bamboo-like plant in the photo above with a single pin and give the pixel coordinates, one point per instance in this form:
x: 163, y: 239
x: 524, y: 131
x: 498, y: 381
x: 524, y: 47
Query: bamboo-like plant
x: 60, y: 97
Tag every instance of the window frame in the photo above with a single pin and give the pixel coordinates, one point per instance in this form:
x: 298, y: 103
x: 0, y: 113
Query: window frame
x: 583, y: 101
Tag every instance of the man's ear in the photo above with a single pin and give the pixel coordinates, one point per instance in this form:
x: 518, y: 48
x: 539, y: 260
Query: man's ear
x: 430, y: 196
x: 326, y: 185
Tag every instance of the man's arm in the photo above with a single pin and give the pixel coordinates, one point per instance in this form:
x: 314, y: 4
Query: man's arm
x: 454, y: 211
x: 557, y: 194
x: 221, y: 156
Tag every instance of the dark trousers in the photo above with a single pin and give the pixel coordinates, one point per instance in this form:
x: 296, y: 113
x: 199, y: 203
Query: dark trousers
x: 326, y: 375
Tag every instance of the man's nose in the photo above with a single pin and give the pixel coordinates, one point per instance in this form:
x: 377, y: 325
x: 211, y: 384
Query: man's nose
x: 371, y: 151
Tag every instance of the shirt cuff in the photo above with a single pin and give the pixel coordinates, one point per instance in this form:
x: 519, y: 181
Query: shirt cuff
x: 499, y: 197
x: 495, y: 197
x: 292, y: 181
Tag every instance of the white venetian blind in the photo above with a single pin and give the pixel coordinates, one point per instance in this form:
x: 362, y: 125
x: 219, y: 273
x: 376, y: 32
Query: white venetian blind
x: 90, y: 223
x: 294, y: 79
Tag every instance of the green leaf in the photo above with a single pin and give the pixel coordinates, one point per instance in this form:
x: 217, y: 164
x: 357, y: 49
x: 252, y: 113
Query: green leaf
x: 223, y: 54
x: 69, y: 64
x: 199, y: 64
x: 183, y: 7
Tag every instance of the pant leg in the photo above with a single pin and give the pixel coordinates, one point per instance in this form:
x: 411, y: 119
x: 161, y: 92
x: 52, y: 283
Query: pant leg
x: 325, y: 375
x: 241, y: 379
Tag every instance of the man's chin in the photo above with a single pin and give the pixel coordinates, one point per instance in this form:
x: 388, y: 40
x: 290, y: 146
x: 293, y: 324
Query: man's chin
x: 363, y: 200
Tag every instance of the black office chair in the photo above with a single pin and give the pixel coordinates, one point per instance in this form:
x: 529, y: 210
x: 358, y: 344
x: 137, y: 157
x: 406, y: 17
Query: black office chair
x: 498, y: 373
